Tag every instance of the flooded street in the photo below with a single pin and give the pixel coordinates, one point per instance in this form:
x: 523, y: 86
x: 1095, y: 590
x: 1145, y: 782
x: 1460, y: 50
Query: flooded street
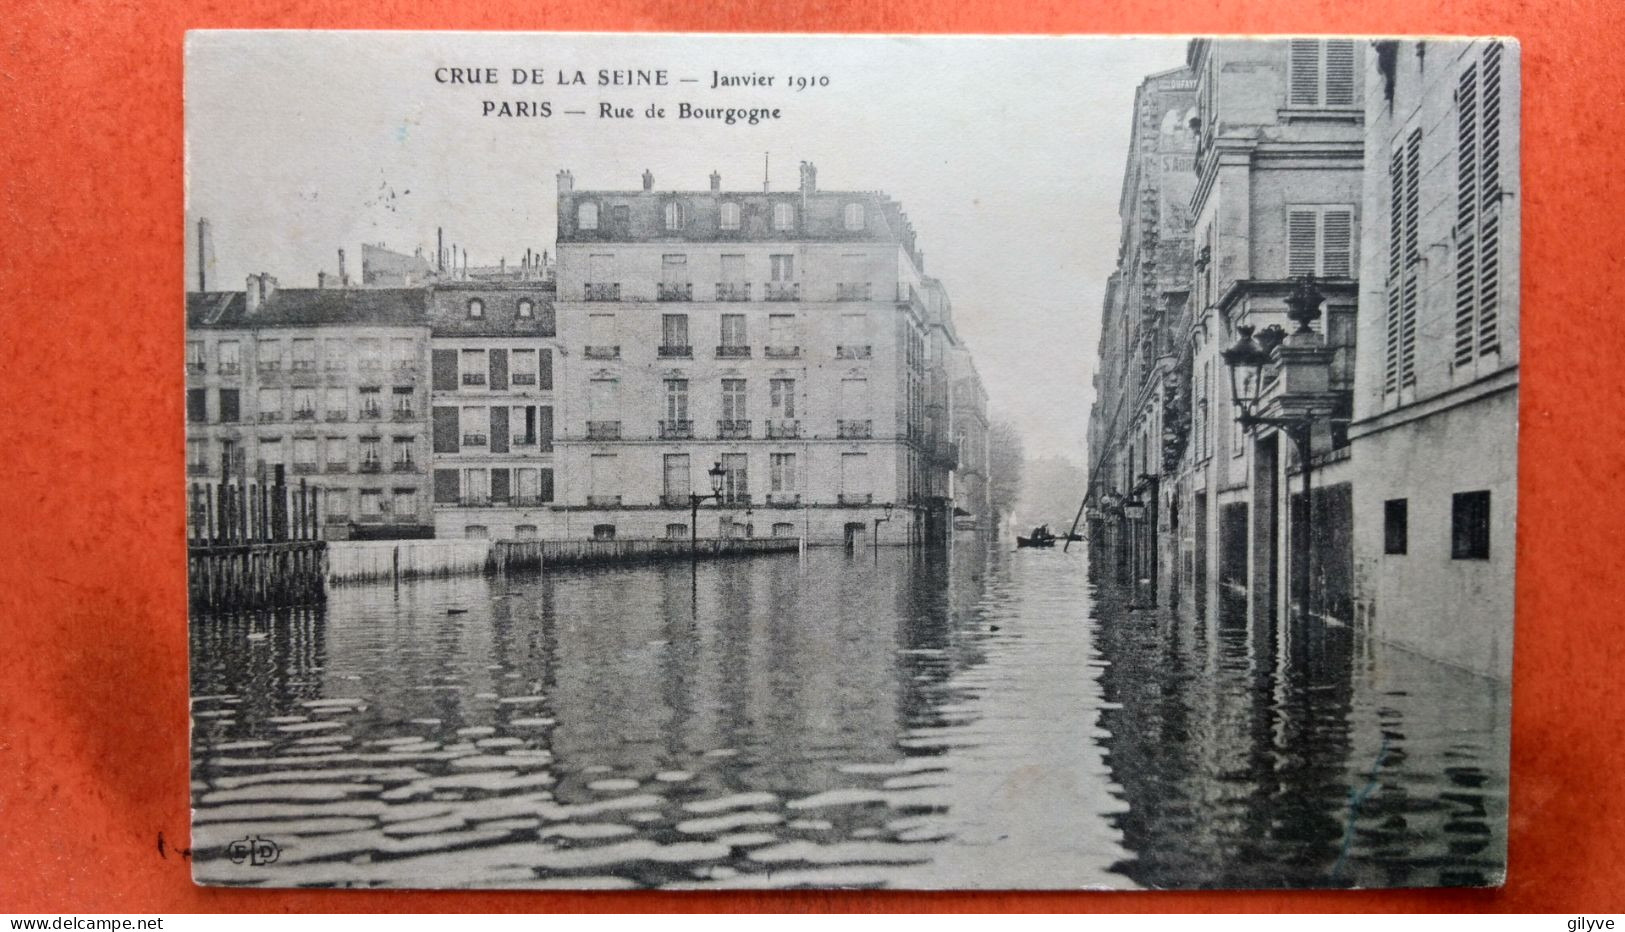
x: 920, y: 719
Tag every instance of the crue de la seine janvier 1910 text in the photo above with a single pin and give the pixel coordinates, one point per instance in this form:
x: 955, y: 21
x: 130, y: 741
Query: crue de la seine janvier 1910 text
x: 529, y: 92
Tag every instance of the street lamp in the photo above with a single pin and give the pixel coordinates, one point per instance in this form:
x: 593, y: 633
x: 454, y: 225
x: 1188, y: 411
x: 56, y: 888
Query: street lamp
x: 878, y: 522
x: 717, y: 473
x: 1304, y: 393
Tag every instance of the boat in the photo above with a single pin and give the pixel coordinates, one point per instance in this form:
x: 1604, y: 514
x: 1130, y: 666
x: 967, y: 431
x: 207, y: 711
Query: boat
x: 1035, y: 541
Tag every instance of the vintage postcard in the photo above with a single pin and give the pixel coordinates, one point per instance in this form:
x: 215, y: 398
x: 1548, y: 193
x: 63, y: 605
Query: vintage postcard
x: 671, y: 461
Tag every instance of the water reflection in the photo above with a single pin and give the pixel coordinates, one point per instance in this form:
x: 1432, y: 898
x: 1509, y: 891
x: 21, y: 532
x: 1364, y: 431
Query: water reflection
x: 925, y: 720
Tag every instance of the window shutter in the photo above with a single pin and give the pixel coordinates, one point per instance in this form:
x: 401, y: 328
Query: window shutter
x: 499, y: 429
x: 1489, y: 249
x: 1339, y: 72
x: 445, y: 486
x: 499, y: 369
x: 544, y: 365
x: 444, y: 364
x: 1407, y: 331
x: 1466, y: 214
x: 446, y: 437
x: 1396, y: 267
x: 1337, y: 243
x: 1413, y: 196
x: 501, y: 489
x: 544, y: 426
x: 1301, y: 236
x: 545, y: 492
x: 1304, y: 58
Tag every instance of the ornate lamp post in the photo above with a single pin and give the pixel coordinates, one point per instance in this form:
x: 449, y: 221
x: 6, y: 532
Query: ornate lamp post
x: 878, y: 523
x: 1304, y: 398
x: 716, y: 472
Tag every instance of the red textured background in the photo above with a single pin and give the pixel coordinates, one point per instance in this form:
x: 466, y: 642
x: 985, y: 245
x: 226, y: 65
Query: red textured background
x: 93, y: 698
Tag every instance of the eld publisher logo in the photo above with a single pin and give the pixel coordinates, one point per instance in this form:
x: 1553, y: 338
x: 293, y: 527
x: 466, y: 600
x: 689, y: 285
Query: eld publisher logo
x: 253, y: 850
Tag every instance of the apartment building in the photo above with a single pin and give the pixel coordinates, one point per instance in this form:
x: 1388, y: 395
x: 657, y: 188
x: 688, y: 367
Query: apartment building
x: 779, y: 336
x: 325, y: 382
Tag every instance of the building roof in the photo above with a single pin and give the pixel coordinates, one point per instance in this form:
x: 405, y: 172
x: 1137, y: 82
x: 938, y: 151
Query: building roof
x: 449, y: 308
x: 309, y: 307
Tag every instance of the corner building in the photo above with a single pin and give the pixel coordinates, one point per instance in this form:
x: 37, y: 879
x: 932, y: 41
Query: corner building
x: 783, y: 335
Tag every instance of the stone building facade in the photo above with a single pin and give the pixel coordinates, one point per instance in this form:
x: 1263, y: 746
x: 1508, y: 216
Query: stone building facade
x: 1434, y: 432
x: 328, y: 383
x: 784, y: 336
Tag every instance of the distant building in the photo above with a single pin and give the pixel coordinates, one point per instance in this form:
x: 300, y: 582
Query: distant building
x: 327, y: 383
x: 383, y: 268
x: 1434, y: 433
x: 783, y: 336
x: 494, y: 363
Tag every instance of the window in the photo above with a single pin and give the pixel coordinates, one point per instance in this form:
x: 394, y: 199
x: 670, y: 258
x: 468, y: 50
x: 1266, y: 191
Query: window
x: 335, y: 355
x: 1322, y: 73
x: 1478, y: 208
x: 270, y: 404
x: 336, y: 453
x: 730, y: 215
x: 601, y: 331
x: 304, y: 452
x: 476, y: 532
x: 197, y: 406
x: 402, y: 456
x: 268, y: 356
x: 1404, y: 260
x: 674, y: 333
x: 733, y: 400
x: 371, y: 457
x: 784, y: 267
x: 1320, y: 241
x: 587, y: 216
x: 1470, y: 526
x: 674, y: 215
x: 197, y: 455
x: 784, y: 216
x: 527, y: 309
x: 603, y: 532
x: 304, y: 355
x: 270, y: 453
x: 335, y: 401
x: 402, y: 351
x: 337, y: 502
x: 782, y: 395
x: 371, y: 351
x: 402, y: 405
x: 735, y: 484
x: 476, y: 486
x: 854, y: 475
x: 195, y: 356
x: 603, y: 400
x: 404, y: 503
x: 230, y: 405
x: 372, y: 402
x: 781, y: 330
x: 854, y: 398
x: 733, y: 330
x: 473, y: 366
x: 854, y: 336
x: 476, y: 422
x: 675, y: 479
x: 676, y: 531
x: 676, y: 401
x: 1395, y: 525
x: 522, y: 368
x: 854, y: 216
x: 476, y: 308
x: 674, y: 268
x: 782, y: 472
x: 524, y: 532
x: 604, y: 479
x: 230, y: 357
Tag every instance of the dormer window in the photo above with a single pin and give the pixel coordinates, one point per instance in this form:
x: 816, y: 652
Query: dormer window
x: 587, y: 216
x: 730, y: 216
x: 674, y: 215
x: 527, y: 308
x: 476, y: 308
x: 784, y: 216
x: 854, y: 216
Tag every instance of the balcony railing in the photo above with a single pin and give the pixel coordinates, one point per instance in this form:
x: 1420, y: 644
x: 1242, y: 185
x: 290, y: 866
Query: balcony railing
x: 603, y: 430
x: 372, y: 465
x: 740, y: 498
x: 529, y: 501
x: 675, y: 499
x: 372, y: 413
x: 331, y: 416
x: 269, y: 366
x: 604, y: 501
x: 337, y: 365
x: 733, y: 352
x: 782, y: 291
x: 851, y: 351
x: 784, y: 498
x: 856, y: 498
x: 269, y: 416
x: 403, y: 466
x: 474, y: 501
x: 230, y: 368
x: 337, y: 517
x: 304, y: 469
x: 402, y: 414
x: 854, y: 430
x: 334, y: 467
x: 601, y: 352
x: 197, y: 469
x: 195, y: 368
x: 733, y: 430
x: 601, y: 291
x: 783, y: 429
x: 733, y: 291
x: 304, y: 365
x: 522, y: 378
x: 523, y: 440
x: 782, y: 352
x: 676, y: 430
x: 676, y: 352
x: 475, y: 440
x: 674, y: 291
x: 853, y: 291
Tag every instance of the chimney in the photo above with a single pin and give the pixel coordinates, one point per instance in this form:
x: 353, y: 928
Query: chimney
x: 344, y: 277
x: 809, y: 179
x: 567, y: 181
x: 440, y: 249
x: 253, y: 293
x: 716, y: 181
x: 648, y: 180
x: 203, y: 255
x: 321, y: 281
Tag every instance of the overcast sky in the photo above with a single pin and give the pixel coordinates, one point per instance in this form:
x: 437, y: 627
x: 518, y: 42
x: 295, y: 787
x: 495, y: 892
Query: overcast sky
x: 1007, y: 154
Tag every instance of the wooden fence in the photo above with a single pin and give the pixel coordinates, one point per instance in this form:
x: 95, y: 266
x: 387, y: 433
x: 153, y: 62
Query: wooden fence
x: 252, y: 545
x: 356, y: 561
